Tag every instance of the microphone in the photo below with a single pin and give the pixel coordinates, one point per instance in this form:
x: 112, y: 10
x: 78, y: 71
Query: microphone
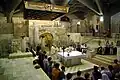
x: 63, y: 49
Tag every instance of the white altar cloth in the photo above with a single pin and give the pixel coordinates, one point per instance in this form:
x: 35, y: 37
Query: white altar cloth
x: 74, y: 57
x: 72, y: 54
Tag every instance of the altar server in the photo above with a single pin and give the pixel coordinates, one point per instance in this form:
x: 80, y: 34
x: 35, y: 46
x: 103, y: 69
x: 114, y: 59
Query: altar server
x: 71, y: 48
x: 53, y: 50
x: 84, y: 48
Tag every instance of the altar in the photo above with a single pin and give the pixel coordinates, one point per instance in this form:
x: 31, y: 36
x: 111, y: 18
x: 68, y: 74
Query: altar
x: 72, y: 58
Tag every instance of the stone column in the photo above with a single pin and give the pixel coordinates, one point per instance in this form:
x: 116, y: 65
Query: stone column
x: 42, y: 42
x: 118, y: 54
x: 94, y: 22
x: 36, y: 35
x: 107, y: 21
x: 9, y: 17
x: 23, y: 44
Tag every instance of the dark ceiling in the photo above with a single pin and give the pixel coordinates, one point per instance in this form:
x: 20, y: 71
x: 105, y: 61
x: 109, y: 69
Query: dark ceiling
x: 77, y: 7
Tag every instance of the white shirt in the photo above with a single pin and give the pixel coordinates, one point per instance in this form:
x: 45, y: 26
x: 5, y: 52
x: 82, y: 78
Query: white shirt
x: 36, y: 57
x: 105, y: 77
x: 45, y: 63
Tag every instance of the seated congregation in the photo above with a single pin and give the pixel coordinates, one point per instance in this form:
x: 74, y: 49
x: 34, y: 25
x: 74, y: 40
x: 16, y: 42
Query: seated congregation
x: 53, y: 70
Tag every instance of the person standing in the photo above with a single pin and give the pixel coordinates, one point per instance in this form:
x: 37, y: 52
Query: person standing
x: 23, y: 44
x: 56, y: 72
x: 62, y: 74
x: 111, y: 48
x: 93, y: 31
x: 50, y: 65
x: 69, y: 76
x: 45, y: 64
x: 116, y: 66
x: 107, y: 48
x: 105, y: 77
x: 78, y: 76
x: 96, y: 74
x: 86, y: 76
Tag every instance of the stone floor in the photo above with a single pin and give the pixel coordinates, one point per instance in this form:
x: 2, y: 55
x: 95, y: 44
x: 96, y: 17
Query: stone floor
x: 20, y: 69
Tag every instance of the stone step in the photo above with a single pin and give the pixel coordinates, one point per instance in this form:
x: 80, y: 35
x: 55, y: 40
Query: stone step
x: 101, y: 61
x: 85, y: 66
x: 20, y: 55
x: 109, y: 57
x: 104, y: 59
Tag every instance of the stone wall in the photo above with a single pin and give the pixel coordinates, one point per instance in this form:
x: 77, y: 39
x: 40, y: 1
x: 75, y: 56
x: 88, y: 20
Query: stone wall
x: 5, y: 44
x: 6, y: 36
x: 115, y: 23
x: 10, y: 34
x: 20, y: 27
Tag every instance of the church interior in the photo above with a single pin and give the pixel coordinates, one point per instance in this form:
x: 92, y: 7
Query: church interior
x: 59, y: 40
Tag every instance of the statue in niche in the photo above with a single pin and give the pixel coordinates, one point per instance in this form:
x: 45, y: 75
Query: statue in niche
x: 47, y: 41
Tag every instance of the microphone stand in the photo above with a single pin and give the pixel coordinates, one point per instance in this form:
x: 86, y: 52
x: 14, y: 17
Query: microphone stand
x: 63, y: 53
